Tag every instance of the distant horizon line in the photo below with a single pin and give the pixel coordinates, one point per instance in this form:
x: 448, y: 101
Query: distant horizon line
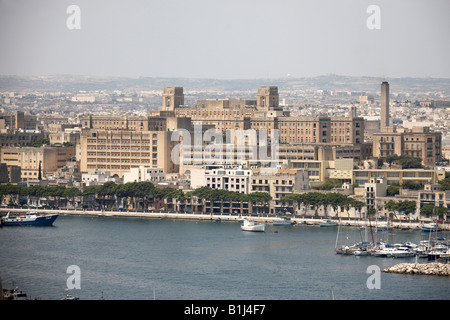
x: 287, y: 77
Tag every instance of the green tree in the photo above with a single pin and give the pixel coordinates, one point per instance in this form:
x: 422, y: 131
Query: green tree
x: 105, y: 191
x: 405, y: 206
x: 405, y: 160
x: 445, y: 183
x: 409, y: 162
x: 316, y: 199
x: 40, y: 142
x: 433, y: 211
x: 371, y: 212
x: 392, y: 190
x: 12, y: 190
x: 412, y: 185
x: 71, y: 193
x: 331, y: 184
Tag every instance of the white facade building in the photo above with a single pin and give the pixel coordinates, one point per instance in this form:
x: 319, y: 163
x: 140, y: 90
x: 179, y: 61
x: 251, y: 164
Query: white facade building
x: 142, y: 173
x: 97, y: 178
x: 237, y: 179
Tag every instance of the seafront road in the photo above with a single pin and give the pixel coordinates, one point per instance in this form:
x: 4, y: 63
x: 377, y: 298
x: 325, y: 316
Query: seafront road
x: 403, y: 224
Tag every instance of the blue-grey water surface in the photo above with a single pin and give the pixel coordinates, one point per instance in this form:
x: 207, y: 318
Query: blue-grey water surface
x: 135, y: 258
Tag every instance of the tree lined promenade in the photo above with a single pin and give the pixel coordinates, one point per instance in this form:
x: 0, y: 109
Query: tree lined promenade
x: 144, y: 197
x: 113, y: 196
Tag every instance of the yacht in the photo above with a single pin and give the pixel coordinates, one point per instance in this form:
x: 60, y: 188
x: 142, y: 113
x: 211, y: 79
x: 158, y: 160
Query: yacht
x: 345, y: 250
x: 383, y: 250
x: 402, y: 252
x: 14, y: 294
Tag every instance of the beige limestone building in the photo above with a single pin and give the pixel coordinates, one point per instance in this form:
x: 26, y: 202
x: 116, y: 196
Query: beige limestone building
x: 118, y: 151
x: 30, y: 159
x: 418, y: 142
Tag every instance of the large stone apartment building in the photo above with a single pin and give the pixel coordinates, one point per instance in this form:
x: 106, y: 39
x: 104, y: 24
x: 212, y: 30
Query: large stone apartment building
x: 118, y: 151
x: 118, y: 144
x: 418, y: 142
x: 18, y: 120
x: 37, y: 162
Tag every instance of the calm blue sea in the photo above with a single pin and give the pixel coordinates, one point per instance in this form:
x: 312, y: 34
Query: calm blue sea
x: 136, y: 258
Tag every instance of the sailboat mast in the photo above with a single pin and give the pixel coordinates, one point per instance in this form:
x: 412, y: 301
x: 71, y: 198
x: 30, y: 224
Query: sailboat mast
x: 337, y: 236
x: 366, y: 228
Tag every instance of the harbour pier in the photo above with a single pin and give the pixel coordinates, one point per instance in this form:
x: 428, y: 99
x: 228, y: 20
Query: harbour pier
x: 437, y: 269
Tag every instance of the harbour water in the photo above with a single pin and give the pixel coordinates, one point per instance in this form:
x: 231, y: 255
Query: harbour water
x: 168, y: 259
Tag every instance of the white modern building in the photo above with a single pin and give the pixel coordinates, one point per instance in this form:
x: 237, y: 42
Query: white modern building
x: 373, y: 190
x: 236, y: 179
x: 142, y: 173
x: 97, y: 178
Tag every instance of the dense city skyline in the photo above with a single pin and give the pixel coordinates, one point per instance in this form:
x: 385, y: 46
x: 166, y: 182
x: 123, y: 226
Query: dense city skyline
x: 264, y: 116
x: 225, y: 39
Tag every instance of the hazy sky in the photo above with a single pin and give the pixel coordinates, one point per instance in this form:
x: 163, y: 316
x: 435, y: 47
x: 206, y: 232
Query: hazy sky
x: 226, y: 39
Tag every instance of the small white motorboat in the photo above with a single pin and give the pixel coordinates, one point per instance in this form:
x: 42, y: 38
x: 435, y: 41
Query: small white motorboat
x: 431, y: 227
x: 327, y: 223
x: 382, y: 226
x: 249, y: 225
x: 282, y: 222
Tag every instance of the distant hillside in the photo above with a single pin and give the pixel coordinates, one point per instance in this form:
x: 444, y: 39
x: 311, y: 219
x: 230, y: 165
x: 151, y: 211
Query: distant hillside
x: 326, y: 82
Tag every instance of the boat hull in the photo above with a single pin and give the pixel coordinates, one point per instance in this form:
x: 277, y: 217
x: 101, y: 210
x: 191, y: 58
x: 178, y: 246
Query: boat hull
x: 251, y: 226
x: 257, y: 228
x: 282, y: 223
x: 46, y: 220
x: 361, y: 253
x: 403, y: 255
x: 430, y: 229
x: 328, y: 224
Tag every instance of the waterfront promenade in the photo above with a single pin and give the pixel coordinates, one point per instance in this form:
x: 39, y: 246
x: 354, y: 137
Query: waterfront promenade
x: 213, y: 217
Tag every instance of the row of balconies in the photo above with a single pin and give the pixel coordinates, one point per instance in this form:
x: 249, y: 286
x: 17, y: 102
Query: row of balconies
x: 89, y: 160
x: 111, y: 142
x: 92, y: 147
x: 128, y: 154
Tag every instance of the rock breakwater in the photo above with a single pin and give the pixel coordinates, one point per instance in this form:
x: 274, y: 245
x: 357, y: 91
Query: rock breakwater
x: 438, y: 269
